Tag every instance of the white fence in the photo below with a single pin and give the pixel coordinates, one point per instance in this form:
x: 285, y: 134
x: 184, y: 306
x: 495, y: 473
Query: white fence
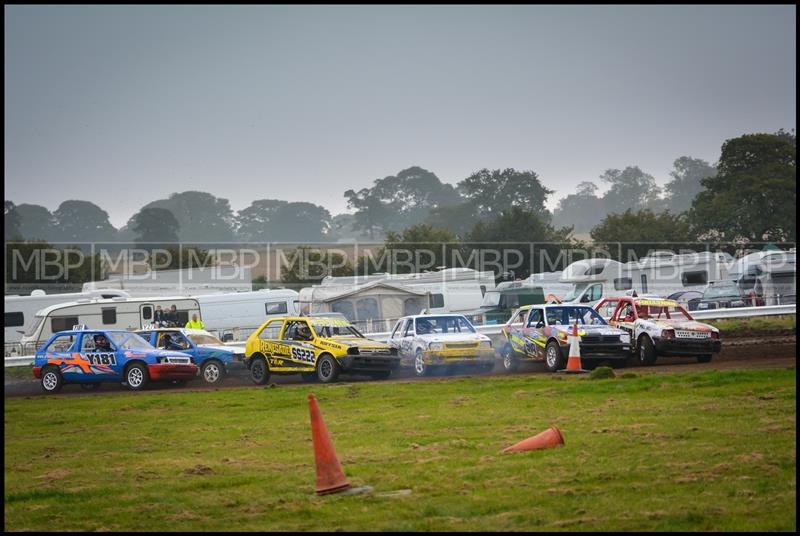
x: 737, y: 312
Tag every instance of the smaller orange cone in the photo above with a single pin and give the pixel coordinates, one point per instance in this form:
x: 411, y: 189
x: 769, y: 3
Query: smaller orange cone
x: 550, y: 438
x: 330, y: 476
x: 574, y: 360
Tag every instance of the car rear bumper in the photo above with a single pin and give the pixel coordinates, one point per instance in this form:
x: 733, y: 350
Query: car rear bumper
x: 171, y: 371
x: 687, y: 347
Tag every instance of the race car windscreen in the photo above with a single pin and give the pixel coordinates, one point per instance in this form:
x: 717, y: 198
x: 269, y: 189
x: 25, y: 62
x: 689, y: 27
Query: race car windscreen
x: 334, y: 327
x: 204, y: 338
x: 566, y: 315
x: 662, y: 311
x: 443, y: 324
x: 127, y: 341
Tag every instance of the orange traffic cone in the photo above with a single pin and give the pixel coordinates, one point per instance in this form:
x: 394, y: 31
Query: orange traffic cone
x: 574, y: 360
x: 330, y: 476
x: 550, y: 438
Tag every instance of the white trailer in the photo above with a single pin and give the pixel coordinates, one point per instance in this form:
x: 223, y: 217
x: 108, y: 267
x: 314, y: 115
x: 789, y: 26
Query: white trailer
x: 114, y: 313
x: 659, y: 273
x: 233, y: 316
x: 770, y: 275
x: 21, y: 310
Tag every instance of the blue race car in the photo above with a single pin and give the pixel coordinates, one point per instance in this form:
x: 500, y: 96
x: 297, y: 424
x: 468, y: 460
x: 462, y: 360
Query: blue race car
x: 89, y: 357
x: 207, y: 351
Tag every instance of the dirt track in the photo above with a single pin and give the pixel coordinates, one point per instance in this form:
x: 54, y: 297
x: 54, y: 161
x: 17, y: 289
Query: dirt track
x: 737, y: 353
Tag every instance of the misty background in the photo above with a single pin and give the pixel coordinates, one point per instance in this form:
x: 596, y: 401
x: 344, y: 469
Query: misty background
x: 122, y: 106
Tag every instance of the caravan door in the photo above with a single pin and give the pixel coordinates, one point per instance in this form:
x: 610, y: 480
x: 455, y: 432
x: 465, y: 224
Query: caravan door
x: 146, y: 314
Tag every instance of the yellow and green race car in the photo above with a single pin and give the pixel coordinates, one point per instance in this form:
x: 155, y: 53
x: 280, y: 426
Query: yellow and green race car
x: 316, y: 347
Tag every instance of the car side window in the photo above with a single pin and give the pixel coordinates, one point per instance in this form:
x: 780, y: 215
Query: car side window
x: 62, y: 343
x: 408, y: 330
x: 87, y: 345
x: 535, y: 318
x: 518, y: 318
x: 271, y: 330
x: 396, y: 331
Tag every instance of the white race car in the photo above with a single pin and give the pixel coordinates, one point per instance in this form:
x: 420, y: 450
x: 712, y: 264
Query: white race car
x: 429, y: 341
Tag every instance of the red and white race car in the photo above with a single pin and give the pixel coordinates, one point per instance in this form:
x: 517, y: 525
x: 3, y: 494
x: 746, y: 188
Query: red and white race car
x: 660, y: 327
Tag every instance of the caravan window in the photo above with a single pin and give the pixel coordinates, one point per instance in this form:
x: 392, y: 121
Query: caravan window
x: 623, y: 283
x: 14, y: 319
x: 147, y: 312
x: 345, y: 307
x: 437, y: 300
x: 694, y: 278
x: 63, y: 323
x: 109, y: 315
x: 412, y: 306
x: 276, y: 308
x: 644, y: 283
x: 367, y: 308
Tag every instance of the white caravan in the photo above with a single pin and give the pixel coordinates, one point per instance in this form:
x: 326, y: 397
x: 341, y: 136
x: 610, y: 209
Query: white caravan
x: 551, y: 284
x: 233, y: 316
x: 114, y: 313
x: 659, y: 273
x: 771, y: 275
x: 21, y: 310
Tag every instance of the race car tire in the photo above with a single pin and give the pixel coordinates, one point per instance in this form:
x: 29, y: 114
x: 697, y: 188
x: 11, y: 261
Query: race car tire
x: 420, y: 368
x: 554, y: 357
x: 93, y: 386
x: 510, y: 362
x: 646, y: 351
x: 52, y: 380
x: 381, y: 375
x: 137, y: 377
x: 212, y: 372
x: 328, y: 369
x: 259, y: 371
x: 704, y: 358
x: 309, y: 377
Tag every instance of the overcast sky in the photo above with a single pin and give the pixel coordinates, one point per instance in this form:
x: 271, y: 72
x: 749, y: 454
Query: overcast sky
x: 124, y: 105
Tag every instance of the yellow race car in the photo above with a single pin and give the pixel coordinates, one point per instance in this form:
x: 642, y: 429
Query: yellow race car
x: 317, y: 347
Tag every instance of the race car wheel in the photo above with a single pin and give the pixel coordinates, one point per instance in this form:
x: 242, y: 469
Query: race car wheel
x: 94, y: 386
x: 137, y: 377
x: 212, y: 372
x: 510, y: 362
x: 647, y: 352
x: 553, y: 357
x: 704, y: 358
x: 259, y: 371
x: 309, y: 377
x: 52, y: 380
x: 420, y: 368
x: 327, y: 369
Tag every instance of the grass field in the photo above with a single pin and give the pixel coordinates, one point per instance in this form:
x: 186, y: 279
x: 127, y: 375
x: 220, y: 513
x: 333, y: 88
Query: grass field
x: 691, y: 451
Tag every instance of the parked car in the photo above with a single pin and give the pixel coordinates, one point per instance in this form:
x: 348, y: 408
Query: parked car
x: 316, y: 347
x: 688, y: 299
x: 428, y: 342
x: 90, y: 357
x: 720, y: 295
x: 207, y: 351
x: 540, y: 333
x: 661, y: 327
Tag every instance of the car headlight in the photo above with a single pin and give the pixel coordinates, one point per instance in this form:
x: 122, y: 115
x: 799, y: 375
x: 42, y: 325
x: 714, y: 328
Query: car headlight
x: 436, y: 346
x: 625, y: 338
x: 486, y: 344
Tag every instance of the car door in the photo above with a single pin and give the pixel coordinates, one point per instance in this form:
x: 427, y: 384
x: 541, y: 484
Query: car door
x: 514, y: 329
x: 396, y: 335
x: 96, y: 364
x: 297, y: 350
x: 535, y: 338
x: 407, y: 340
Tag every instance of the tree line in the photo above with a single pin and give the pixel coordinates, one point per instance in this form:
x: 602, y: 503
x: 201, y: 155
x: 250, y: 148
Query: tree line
x: 749, y: 194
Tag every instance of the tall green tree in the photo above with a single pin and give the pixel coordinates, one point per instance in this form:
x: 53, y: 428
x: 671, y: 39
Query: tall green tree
x: 629, y: 233
x: 202, y: 217
x: 686, y: 175
x: 274, y: 220
x: 399, y: 201
x: 82, y: 221
x: 11, y: 221
x: 630, y: 188
x: 754, y: 194
x: 154, y: 226
x: 581, y: 210
x: 36, y: 222
x: 493, y: 191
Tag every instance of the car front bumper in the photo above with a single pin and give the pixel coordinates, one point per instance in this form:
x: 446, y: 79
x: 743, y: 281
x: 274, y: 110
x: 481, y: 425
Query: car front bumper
x: 687, y: 347
x: 618, y: 350
x: 451, y: 357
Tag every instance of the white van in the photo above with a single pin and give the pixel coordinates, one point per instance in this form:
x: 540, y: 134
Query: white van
x: 20, y: 310
x: 114, y: 313
x: 660, y: 273
x: 233, y: 316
